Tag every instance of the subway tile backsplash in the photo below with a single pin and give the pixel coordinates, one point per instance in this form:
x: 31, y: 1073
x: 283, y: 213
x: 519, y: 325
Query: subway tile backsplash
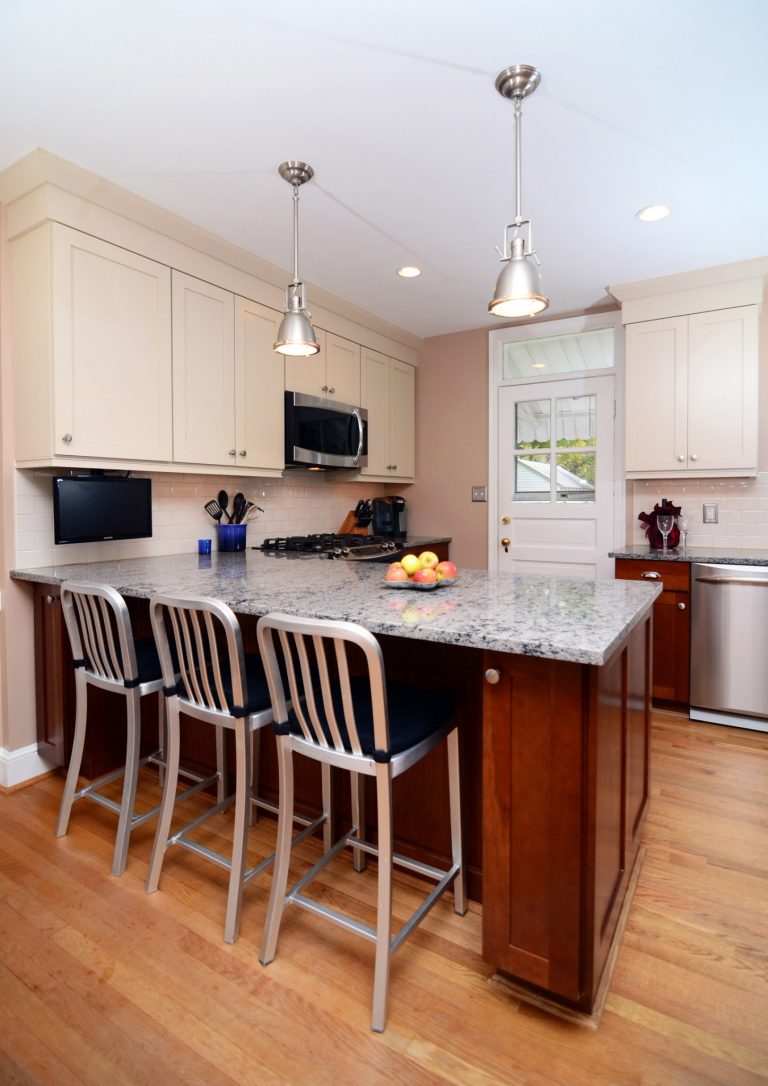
x: 742, y: 509
x: 297, y: 504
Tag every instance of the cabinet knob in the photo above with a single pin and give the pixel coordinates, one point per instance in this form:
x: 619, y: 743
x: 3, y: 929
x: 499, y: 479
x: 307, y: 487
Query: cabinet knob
x: 51, y: 599
x: 492, y: 676
x: 67, y: 439
x: 694, y: 456
x: 324, y: 388
x: 394, y: 467
x: 651, y: 575
x: 331, y: 390
x: 233, y: 452
x: 681, y: 606
x: 681, y: 458
x: 243, y: 452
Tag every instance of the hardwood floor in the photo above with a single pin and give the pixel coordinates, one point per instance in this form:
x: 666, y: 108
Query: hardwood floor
x: 102, y: 984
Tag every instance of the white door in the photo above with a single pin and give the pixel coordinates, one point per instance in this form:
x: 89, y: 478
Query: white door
x: 555, y: 500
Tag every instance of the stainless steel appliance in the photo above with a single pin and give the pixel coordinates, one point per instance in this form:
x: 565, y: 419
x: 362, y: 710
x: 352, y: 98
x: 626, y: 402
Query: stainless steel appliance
x: 355, y: 548
x: 729, y: 645
x: 323, y: 433
x: 389, y: 517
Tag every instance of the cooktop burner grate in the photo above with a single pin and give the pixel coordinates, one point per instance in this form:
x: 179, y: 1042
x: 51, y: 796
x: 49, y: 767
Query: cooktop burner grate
x: 331, y: 545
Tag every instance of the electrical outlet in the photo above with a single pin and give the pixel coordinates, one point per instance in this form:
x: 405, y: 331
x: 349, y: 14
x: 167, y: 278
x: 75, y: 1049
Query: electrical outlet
x: 479, y: 493
x: 709, y: 515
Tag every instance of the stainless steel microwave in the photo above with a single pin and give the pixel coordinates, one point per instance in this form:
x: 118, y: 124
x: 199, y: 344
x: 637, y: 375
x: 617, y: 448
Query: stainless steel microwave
x: 322, y: 433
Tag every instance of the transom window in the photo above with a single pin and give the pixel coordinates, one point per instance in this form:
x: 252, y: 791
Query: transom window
x: 575, y: 352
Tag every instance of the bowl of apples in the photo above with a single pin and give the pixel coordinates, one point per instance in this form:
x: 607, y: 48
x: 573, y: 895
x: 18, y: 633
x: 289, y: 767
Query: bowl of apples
x: 423, y: 572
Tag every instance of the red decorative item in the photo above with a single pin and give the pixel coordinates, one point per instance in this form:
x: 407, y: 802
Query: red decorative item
x: 655, y: 538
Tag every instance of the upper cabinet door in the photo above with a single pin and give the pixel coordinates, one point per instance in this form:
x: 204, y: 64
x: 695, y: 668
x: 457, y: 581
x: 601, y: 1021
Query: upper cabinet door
x: 342, y: 370
x: 722, y: 389
x: 259, y: 385
x: 203, y: 373
x: 374, y: 378
x: 306, y: 374
x: 112, y: 351
x: 656, y: 395
x: 402, y: 410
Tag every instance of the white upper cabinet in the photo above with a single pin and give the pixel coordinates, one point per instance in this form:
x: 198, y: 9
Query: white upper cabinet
x: 691, y: 394
x: 228, y: 382
x: 332, y: 374
x: 388, y: 393
x: 92, y: 350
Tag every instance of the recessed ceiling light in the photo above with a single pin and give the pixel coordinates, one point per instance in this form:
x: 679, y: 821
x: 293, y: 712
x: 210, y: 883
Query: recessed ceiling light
x: 653, y: 213
x: 409, y: 271
x: 538, y: 365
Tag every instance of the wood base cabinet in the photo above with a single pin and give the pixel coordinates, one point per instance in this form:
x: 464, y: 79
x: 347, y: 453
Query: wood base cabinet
x: 565, y: 788
x: 671, y: 626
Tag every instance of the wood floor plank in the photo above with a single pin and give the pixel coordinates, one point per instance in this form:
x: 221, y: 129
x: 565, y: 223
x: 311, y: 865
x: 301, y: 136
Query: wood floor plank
x: 90, y: 963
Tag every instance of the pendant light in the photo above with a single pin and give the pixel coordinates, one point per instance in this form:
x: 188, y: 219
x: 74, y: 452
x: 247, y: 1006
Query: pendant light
x: 296, y: 336
x: 518, y: 289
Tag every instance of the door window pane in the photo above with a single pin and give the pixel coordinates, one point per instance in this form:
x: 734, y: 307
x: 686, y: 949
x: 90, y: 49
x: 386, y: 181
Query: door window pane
x: 532, y: 424
x: 576, y: 421
x: 572, y: 353
x: 532, y: 478
x: 575, y: 477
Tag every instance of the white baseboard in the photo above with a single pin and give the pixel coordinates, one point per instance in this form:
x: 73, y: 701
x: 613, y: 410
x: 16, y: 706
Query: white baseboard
x: 18, y: 766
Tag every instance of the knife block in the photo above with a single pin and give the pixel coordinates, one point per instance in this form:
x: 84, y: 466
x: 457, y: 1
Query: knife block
x: 350, y: 527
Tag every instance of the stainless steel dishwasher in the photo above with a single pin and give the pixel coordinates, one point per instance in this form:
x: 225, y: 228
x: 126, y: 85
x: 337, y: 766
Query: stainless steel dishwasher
x: 729, y: 645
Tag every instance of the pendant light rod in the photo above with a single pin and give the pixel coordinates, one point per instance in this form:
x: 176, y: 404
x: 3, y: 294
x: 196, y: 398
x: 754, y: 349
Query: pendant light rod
x: 518, y: 162
x: 295, y: 232
x: 296, y: 336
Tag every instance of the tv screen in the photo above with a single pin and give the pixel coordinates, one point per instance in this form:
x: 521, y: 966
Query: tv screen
x: 87, y: 508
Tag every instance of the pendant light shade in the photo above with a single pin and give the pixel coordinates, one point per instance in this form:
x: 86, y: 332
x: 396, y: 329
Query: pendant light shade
x: 296, y: 336
x: 518, y: 290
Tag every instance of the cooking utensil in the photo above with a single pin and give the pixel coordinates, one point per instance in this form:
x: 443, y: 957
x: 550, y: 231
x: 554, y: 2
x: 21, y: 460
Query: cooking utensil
x: 213, y: 509
x: 252, y: 512
x: 238, y: 508
x: 224, y: 502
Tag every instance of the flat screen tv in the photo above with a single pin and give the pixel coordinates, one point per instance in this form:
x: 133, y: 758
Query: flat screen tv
x: 88, y: 508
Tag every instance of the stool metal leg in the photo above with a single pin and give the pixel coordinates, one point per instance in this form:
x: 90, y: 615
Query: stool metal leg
x: 128, y: 802
x: 243, y: 777
x: 253, y: 784
x: 384, y: 905
x: 357, y: 784
x: 162, y: 740
x: 169, y: 796
x: 454, y: 792
x: 221, y: 765
x: 282, y: 851
x: 70, y: 787
x: 328, y: 827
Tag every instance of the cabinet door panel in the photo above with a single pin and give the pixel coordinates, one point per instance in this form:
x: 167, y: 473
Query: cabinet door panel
x: 402, y: 409
x: 203, y: 372
x: 112, y: 350
x: 656, y: 395
x: 342, y: 370
x: 259, y: 381
x: 671, y: 647
x: 374, y: 382
x: 722, y: 389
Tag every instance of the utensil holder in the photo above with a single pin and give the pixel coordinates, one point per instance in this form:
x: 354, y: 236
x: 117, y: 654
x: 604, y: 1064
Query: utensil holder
x: 231, y: 537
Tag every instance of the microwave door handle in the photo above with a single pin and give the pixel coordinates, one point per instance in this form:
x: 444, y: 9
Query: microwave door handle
x: 358, y: 419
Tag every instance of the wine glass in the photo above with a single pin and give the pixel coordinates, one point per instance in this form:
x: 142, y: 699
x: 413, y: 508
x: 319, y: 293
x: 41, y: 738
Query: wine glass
x: 664, y: 523
x: 682, y: 523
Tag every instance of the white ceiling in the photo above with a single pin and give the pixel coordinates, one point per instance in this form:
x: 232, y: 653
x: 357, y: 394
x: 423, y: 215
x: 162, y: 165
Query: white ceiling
x: 194, y: 103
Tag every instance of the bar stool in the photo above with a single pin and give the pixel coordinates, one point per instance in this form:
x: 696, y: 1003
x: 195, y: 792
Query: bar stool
x: 208, y: 676
x: 370, y: 728
x: 105, y: 655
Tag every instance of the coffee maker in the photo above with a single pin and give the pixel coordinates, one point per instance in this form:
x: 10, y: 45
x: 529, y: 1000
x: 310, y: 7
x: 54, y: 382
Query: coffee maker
x: 389, y: 517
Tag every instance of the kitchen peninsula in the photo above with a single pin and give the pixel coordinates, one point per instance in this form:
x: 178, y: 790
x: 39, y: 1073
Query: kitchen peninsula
x: 551, y: 679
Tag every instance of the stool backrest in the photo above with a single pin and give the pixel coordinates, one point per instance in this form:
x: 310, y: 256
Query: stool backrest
x: 99, y: 629
x: 199, y: 640
x: 310, y: 656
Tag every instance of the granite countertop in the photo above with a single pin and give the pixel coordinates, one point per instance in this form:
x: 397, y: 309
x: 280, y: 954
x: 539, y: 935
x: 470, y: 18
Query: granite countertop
x: 725, y: 556
x: 552, y: 617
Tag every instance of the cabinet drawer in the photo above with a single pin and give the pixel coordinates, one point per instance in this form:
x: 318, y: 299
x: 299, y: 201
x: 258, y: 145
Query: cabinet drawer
x: 672, y: 575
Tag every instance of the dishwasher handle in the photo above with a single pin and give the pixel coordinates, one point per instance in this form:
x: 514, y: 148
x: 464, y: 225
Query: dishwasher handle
x: 757, y: 581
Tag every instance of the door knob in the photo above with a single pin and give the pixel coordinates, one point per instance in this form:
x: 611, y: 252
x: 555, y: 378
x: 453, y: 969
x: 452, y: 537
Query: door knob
x: 506, y: 543
x: 506, y: 520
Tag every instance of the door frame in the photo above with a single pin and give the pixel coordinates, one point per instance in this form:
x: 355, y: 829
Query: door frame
x: 543, y: 330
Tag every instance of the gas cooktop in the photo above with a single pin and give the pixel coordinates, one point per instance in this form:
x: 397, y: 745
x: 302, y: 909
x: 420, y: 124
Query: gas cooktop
x: 357, y: 548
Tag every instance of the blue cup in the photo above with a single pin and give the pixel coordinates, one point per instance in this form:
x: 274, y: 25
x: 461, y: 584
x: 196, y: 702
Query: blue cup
x: 203, y: 546
x: 231, y: 537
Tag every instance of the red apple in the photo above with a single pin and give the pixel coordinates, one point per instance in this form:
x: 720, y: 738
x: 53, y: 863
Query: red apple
x: 395, y: 572
x: 428, y: 559
x: 424, y: 576
x: 446, y: 569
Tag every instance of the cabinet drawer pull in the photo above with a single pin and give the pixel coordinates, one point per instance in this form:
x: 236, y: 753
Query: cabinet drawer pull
x: 651, y: 575
x: 492, y: 676
x: 681, y: 606
x: 67, y: 439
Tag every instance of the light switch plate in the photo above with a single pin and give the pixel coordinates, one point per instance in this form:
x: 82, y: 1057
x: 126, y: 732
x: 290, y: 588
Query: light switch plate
x: 709, y: 515
x: 479, y: 493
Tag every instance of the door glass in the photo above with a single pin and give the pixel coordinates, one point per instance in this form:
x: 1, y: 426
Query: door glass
x: 576, y: 429
x: 575, y: 477
x: 575, y: 421
x: 532, y: 424
x: 572, y: 353
x: 532, y: 478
